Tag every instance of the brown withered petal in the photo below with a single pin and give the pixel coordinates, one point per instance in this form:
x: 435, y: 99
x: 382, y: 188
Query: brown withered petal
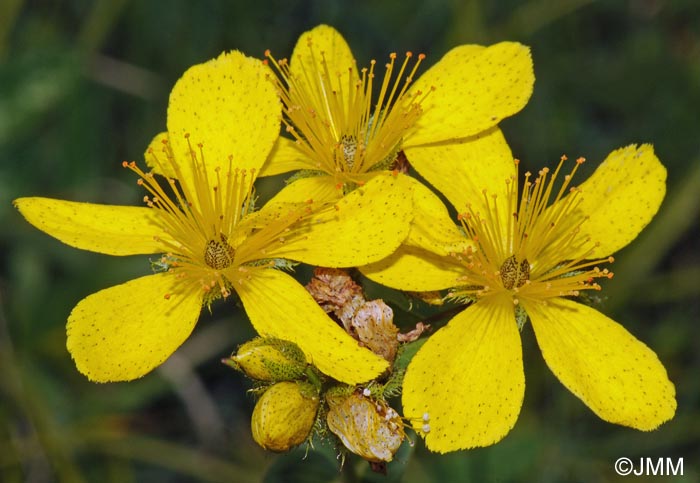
x: 369, y: 428
x: 414, y: 334
x: 332, y: 288
x: 347, y: 313
x: 374, y: 325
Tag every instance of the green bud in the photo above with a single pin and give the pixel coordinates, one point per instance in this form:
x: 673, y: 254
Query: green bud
x: 284, y: 416
x: 269, y: 359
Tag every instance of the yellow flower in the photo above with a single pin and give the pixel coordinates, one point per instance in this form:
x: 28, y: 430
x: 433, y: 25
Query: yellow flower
x: 529, y: 259
x: 344, y: 138
x: 223, y: 119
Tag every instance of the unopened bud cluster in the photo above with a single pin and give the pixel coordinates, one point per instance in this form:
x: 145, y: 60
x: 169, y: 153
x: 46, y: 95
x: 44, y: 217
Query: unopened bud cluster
x: 360, y: 417
x: 286, y: 412
x: 297, y: 402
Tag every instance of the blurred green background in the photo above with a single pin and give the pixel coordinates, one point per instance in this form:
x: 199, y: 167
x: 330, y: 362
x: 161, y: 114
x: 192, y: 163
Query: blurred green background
x: 84, y: 85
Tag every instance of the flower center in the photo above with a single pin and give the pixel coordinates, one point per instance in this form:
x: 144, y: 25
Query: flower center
x: 528, y: 246
x: 212, y: 236
x: 333, y: 119
x: 199, y: 215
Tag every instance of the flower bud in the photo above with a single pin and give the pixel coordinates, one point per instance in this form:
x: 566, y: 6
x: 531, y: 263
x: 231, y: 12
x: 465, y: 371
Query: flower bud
x: 284, y: 416
x: 269, y: 359
x: 369, y: 428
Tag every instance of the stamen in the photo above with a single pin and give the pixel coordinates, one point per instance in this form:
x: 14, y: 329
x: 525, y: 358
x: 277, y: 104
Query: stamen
x: 199, y: 216
x: 536, y: 252
x: 333, y: 119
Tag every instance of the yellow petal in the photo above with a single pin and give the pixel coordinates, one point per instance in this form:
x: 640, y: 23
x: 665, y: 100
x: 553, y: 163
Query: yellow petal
x: 156, y: 156
x: 294, y: 197
x: 278, y: 306
x: 285, y: 157
x: 364, y: 226
x: 322, y: 42
x: 468, y: 377
x: 229, y: 106
x: 463, y: 170
x: 620, y: 198
x: 432, y: 227
x: 319, y: 189
x: 474, y: 89
x: 416, y: 270
x: 614, y: 374
x: 114, y: 230
x: 423, y: 263
x: 123, y: 332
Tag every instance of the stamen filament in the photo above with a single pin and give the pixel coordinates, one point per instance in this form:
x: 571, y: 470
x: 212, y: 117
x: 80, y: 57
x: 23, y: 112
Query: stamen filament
x: 340, y: 129
x: 531, y: 250
x: 200, y: 220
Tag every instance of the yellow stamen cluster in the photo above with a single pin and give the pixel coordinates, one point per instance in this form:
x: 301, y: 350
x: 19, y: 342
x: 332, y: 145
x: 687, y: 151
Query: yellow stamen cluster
x: 333, y: 119
x: 524, y: 249
x: 208, y: 244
